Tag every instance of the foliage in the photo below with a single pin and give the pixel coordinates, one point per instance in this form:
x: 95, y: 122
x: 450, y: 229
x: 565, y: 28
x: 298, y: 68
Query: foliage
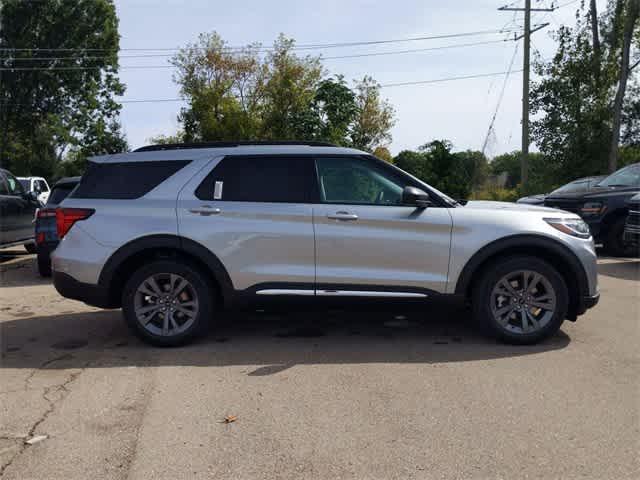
x: 456, y: 174
x: 374, y: 117
x: 497, y: 194
x: 383, y: 153
x: 240, y: 95
x: 543, y: 172
x: 45, y: 114
x: 574, y: 98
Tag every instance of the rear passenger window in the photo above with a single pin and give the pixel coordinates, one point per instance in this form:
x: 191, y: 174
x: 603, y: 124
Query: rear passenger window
x: 125, y: 180
x: 259, y: 179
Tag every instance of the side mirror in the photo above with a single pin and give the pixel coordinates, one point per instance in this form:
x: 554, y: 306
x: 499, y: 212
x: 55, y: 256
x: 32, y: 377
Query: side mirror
x: 415, y: 196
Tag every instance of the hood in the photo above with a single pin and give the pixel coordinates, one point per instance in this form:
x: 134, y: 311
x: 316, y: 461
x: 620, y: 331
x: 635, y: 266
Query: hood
x: 520, y: 207
x: 592, y: 192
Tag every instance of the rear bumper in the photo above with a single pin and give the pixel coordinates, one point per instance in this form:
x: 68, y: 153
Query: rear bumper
x: 69, y: 287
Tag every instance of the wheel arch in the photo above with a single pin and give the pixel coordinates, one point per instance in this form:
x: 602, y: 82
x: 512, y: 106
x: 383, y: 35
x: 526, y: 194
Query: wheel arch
x: 135, y: 253
x: 555, y: 253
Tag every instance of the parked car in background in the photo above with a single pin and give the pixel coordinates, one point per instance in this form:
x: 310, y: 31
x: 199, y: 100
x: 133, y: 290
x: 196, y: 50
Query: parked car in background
x: 174, y: 233
x: 604, y: 207
x: 580, y: 185
x: 17, y: 212
x: 46, y: 229
x: 632, y: 225
x: 37, y: 185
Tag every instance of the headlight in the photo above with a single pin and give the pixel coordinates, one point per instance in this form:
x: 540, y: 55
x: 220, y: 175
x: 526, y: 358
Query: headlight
x: 593, y: 209
x: 571, y: 226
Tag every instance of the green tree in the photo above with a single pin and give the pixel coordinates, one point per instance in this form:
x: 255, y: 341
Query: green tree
x: 374, y: 117
x: 574, y: 100
x: 456, y: 174
x: 53, y: 102
x: 223, y: 88
x: 290, y: 90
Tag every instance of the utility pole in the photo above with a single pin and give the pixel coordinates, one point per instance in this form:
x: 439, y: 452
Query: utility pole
x: 524, y: 159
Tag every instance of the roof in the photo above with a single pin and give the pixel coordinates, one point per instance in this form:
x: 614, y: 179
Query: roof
x: 207, y: 151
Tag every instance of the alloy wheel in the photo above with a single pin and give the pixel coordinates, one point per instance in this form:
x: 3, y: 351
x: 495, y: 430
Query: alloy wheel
x: 166, y: 304
x: 523, y: 302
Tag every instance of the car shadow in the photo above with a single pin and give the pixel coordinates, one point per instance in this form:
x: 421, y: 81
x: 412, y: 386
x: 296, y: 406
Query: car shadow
x: 622, y: 269
x: 19, y: 269
x: 266, y: 343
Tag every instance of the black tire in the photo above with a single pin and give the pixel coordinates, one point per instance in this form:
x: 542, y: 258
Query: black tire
x: 614, y: 244
x: 44, y: 264
x: 493, y: 274
x: 201, y: 289
x: 31, y: 247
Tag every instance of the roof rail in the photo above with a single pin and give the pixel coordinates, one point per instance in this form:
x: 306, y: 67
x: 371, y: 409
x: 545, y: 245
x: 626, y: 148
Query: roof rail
x: 186, y: 146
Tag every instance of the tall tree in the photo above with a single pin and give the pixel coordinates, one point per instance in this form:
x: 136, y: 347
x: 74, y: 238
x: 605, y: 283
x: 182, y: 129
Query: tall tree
x: 374, y: 117
x: 574, y: 99
x: 290, y: 90
x: 58, y: 81
x: 631, y: 17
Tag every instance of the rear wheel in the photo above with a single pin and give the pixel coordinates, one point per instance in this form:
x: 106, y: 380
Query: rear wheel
x: 614, y: 242
x: 521, y: 300
x: 168, y: 303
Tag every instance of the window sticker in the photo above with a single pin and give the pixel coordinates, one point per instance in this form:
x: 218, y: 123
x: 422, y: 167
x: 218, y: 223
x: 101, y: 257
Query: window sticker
x: 217, y: 191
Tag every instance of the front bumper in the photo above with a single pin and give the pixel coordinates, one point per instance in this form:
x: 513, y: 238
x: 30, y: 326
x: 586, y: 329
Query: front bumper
x: 93, y: 295
x: 588, y: 302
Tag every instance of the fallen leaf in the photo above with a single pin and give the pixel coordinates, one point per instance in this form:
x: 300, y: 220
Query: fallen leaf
x: 230, y: 418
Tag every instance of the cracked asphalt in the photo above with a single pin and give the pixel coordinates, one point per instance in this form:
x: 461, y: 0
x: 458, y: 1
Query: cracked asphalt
x: 350, y: 395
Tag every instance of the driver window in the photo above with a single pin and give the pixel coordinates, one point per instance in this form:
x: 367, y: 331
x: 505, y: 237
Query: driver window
x: 14, y: 185
x: 357, y: 181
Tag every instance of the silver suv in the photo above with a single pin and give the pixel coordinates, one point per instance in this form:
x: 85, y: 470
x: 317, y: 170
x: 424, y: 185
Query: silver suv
x: 174, y: 233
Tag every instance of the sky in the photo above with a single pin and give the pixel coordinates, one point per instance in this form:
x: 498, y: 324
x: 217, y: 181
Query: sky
x: 459, y: 111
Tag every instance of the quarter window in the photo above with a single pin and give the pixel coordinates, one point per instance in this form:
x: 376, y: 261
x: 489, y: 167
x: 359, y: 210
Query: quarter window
x: 259, y: 179
x: 357, y: 181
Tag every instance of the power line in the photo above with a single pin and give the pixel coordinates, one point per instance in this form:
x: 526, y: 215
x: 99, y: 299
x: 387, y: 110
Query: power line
x: 374, y: 54
x: 317, y: 46
x: 500, y: 97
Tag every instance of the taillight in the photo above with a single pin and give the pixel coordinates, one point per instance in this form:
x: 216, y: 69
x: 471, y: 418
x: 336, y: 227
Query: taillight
x: 66, y: 217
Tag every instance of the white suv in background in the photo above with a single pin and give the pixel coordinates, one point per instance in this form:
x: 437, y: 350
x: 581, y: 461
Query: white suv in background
x: 173, y: 233
x: 37, y: 185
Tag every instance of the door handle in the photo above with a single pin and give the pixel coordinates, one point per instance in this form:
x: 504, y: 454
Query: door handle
x: 205, y: 210
x: 346, y: 216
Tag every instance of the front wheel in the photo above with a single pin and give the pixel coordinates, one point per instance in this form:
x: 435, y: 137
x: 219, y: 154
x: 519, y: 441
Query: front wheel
x: 521, y: 300
x: 168, y: 303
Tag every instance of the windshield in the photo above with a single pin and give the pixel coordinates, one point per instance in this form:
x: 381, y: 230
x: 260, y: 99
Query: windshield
x: 625, y: 177
x: 574, y: 186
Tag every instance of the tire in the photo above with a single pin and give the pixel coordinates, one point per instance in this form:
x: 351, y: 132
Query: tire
x: 489, y: 303
x: 196, y: 299
x: 44, y: 264
x: 31, y: 247
x: 614, y: 244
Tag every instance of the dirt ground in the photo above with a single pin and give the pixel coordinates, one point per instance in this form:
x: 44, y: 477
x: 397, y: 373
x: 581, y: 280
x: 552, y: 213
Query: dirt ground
x: 351, y: 395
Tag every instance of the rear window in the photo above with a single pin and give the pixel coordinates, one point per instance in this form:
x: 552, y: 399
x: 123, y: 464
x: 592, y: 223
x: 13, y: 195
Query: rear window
x: 125, y: 180
x: 265, y: 178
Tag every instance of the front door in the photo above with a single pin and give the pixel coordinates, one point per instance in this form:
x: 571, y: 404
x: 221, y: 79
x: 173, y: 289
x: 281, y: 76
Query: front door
x: 367, y: 241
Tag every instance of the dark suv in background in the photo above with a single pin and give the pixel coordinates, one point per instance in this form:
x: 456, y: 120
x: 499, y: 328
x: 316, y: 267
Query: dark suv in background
x: 17, y: 211
x: 604, y: 208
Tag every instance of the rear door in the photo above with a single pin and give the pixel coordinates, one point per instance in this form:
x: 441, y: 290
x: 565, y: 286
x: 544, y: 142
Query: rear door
x: 254, y: 213
x: 367, y: 241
